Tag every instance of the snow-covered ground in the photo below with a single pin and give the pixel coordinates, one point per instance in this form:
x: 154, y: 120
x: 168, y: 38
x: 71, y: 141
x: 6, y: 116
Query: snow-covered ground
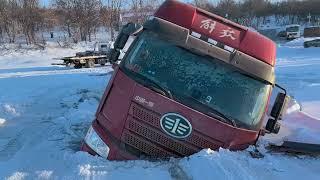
x: 45, y: 112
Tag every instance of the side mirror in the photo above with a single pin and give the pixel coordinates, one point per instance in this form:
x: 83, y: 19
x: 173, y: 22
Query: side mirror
x: 278, y: 109
x: 280, y: 106
x: 126, y: 31
x: 114, y: 65
x: 273, y: 126
x: 114, y: 54
x: 122, y: 38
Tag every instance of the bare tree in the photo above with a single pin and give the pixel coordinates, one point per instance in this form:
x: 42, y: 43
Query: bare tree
x: 80, y: 18
x: 30, y: 18
x: 111, y: 15
x: 9, y: 17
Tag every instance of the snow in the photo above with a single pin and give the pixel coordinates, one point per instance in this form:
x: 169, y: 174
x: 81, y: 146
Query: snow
x: 299, y: 41
x: 2, y: 121
x: 46, y: 110
x: 312, y: 108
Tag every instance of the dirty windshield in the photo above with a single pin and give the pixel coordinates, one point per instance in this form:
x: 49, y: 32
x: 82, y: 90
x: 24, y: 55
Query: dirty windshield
x: 200, y: 82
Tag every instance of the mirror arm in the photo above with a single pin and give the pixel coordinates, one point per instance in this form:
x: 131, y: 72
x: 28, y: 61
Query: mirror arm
x: 280, y: 87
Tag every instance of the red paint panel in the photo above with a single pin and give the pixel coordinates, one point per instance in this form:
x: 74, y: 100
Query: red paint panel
x: 178, y: 13
x: 245, y: 40
x: 258, y: 46
x: 114, y: 110
x: 216, y: 30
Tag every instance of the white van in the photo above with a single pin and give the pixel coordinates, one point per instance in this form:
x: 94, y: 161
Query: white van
x: 293, y: 31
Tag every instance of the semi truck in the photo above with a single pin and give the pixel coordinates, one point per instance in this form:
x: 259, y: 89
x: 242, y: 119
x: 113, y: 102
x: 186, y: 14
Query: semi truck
x: 189, y: 80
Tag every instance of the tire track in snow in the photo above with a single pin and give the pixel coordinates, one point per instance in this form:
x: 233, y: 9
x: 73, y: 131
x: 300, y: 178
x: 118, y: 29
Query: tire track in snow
x: 55, y: 72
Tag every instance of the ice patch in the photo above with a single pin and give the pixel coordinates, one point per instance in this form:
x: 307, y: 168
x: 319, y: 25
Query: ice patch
x: 2, y: 121
x: 314, y: 84
x: 44, y: 174
x: 17, y: 176
x: 10, y: 110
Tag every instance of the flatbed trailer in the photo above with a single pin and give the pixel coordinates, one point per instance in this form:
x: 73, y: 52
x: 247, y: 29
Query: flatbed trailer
x: 88, y: 59
x: 83, y: 61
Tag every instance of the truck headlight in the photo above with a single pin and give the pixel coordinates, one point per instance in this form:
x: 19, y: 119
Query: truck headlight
x: 93, y: 140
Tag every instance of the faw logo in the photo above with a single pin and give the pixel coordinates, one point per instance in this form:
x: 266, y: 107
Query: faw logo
x: 176, y: 125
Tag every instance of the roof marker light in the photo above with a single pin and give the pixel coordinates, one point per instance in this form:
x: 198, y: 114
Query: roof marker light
x: 194, y: 34
x: 211, y: 41
x: 228, y: 48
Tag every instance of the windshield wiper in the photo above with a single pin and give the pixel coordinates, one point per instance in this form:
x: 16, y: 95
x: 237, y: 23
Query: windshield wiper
x: 218, y: 113
x: 153, y: 85
x: 160, y: 91
x: 213, y: 112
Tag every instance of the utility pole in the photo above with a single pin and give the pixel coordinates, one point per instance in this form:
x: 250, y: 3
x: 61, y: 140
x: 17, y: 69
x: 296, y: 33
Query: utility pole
x: 309, y: 17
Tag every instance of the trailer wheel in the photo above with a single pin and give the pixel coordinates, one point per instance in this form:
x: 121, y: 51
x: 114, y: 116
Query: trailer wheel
x: 89, y: 64
x: 78, y: 66
x: 103, y: 62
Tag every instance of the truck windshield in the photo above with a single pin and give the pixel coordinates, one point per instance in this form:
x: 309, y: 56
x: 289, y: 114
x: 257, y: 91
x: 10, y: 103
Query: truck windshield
x: 292, y: 29
x: 201, y: 82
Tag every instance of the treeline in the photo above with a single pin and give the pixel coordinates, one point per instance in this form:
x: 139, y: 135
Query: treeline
x: 80, y: 19
x: 296, y: 11
x: 20, y: 17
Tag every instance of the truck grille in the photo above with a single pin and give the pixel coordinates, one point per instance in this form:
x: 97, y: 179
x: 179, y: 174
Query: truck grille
x: 144, y: 146
x: 143, y: 132
x: 160, y: 139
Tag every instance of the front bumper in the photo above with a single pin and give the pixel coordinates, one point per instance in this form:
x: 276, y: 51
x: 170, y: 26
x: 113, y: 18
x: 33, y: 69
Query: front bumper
x: 115, y: 152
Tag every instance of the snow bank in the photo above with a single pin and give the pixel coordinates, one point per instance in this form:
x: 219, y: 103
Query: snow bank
x: 297, y: 69
x: 299, y: 42
x: 2, y: 121
x: 312, y: 108
x: 13, y: 56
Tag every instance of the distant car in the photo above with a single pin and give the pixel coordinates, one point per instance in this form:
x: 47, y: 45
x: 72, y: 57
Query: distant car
x: 312, y: 43
x: 313, y: 31
x: 293, y: 31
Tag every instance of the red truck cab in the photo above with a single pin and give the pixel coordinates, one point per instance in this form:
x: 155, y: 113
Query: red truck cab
x: 190, y: 80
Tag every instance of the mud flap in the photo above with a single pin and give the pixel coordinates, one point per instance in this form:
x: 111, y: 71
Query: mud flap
x: 296, y: 148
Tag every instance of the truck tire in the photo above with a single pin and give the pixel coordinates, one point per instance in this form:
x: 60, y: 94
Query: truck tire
x: 78, y: 66
x: 89, y: 64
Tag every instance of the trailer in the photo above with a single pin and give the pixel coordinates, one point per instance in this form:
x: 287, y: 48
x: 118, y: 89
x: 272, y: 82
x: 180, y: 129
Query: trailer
x: 88, y: 59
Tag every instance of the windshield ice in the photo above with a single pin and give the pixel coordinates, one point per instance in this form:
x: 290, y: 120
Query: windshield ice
x: 200, y: 82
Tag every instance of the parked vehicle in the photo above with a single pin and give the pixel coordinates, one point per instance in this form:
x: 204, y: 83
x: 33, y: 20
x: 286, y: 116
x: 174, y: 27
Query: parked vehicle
x: 190, y: 80
x: 293, y: 31
x: 313, y: 31
x: 312, y: 43
x: 88, y: 59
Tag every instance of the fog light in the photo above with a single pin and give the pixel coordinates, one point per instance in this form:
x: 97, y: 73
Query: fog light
x: 93, y: 140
